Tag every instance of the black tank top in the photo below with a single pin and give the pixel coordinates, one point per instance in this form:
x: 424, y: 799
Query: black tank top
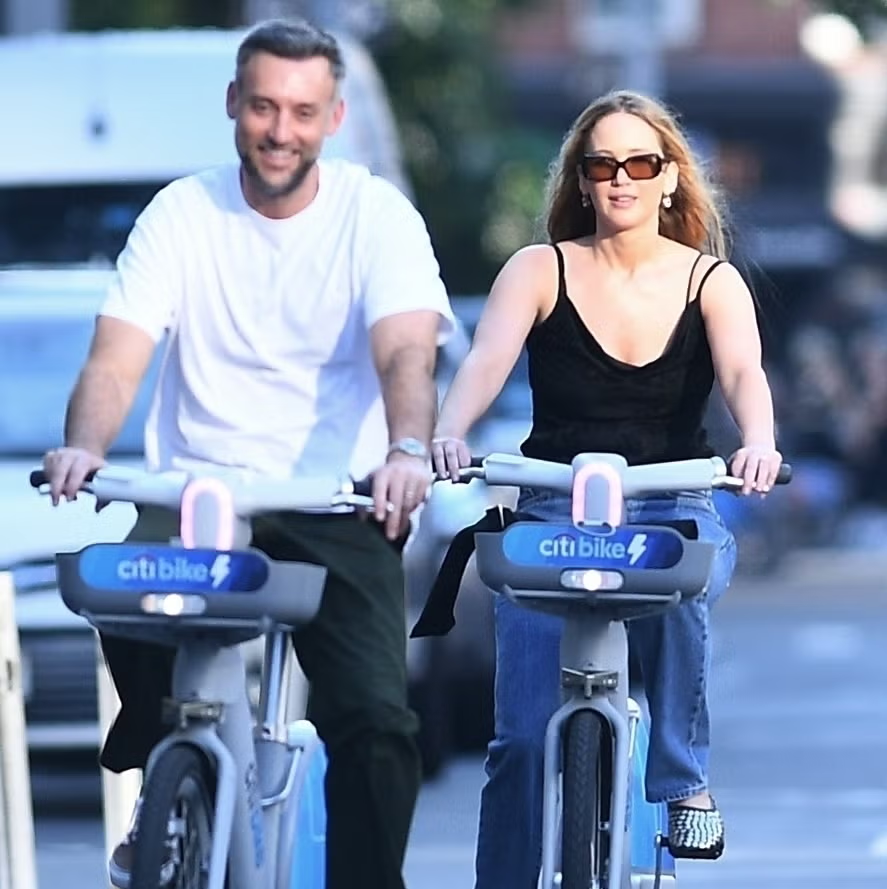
x: 586, y: 400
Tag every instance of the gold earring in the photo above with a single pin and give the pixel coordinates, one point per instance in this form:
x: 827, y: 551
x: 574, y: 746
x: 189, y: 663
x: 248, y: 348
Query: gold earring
x: 666, y: 201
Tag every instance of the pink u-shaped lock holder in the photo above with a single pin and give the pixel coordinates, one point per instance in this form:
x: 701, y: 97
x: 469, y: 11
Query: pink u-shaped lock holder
x: 224, y: 501
x: 581, y: 478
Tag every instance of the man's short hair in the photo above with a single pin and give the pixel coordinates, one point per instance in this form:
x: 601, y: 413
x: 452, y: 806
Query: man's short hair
x: 291, y: 39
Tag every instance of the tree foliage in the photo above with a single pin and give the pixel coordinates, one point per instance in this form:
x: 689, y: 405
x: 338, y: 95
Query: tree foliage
x: 98, y: 15
x: 477, y: 177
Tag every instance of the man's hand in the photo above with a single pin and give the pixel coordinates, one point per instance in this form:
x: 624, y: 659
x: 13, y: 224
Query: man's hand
x: 67, y: 469
x: 402, y: 482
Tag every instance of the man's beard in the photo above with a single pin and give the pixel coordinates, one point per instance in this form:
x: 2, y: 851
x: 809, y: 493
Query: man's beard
x: 268, y: 190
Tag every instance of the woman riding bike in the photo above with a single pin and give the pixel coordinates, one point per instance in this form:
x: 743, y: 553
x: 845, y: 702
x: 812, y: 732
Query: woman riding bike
x: 628, y: 315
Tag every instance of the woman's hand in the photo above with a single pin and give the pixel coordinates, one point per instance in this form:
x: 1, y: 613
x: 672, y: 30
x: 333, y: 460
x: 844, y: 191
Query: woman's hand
x: 449, y: 455
x: 757, y: 466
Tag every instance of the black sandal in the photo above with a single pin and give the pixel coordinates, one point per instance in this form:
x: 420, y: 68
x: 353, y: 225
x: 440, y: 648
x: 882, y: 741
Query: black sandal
x: 695, y: 833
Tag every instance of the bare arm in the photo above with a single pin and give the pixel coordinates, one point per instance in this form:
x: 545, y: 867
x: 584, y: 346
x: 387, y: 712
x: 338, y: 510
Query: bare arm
x: 732, y: 330
x: 106, y: 388
x: 103, y: 396
x: 404, y: 351
x: 519, y: 295
x: 141, y: 304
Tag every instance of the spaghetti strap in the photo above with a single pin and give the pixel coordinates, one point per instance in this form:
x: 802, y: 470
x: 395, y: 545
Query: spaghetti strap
x: 561, y: 272
x: 690, y: 279
x: 708, y: 271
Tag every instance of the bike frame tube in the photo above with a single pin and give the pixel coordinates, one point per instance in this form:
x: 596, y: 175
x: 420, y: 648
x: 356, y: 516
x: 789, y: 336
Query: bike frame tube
x: 276, y: 678
x: 276, y: 762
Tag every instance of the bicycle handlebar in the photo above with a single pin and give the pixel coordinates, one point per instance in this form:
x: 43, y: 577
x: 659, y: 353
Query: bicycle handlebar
x: 250, y: 495
x: 698, y: 474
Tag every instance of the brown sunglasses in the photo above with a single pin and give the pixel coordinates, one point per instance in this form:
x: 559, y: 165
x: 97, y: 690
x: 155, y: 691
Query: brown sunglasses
x: 603, y: 168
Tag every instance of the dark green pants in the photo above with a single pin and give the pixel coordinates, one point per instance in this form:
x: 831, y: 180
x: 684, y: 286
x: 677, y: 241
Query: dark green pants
x: 354, y: 657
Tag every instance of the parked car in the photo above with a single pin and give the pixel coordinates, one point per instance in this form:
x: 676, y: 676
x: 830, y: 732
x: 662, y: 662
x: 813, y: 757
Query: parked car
x: 455, y: 699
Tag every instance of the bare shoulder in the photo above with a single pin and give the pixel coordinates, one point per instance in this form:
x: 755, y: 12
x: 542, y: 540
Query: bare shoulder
x: 724, y: 297
x: 536, y: 260
x: 723, y: 277
x: 531, y: 271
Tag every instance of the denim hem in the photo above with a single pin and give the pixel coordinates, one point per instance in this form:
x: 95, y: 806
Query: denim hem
x: 678, y: 796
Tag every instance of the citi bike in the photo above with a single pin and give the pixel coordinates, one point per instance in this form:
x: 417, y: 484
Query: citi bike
x: 225, y: 803
x: 599, y: 832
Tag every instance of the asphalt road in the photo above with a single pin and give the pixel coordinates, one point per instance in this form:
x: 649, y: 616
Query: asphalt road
x: 800, y: 760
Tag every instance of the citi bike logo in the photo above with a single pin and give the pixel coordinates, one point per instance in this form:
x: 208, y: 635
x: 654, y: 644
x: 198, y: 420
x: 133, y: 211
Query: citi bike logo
x: 565, y: 546
x: 177, y: 569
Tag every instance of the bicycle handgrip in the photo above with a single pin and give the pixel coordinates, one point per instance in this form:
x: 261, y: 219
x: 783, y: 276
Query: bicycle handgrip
x: 363, y: 487
x: 784, y: 476
x: 39, y: 478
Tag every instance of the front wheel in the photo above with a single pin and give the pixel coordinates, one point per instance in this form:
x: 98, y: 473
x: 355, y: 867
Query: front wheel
x: 175, y: 825
x: 582, y: 847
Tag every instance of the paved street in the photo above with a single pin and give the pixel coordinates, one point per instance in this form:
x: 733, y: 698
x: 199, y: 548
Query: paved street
x: 800, y: 718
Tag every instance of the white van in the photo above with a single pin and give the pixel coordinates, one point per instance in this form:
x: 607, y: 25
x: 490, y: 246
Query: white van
x: 110, y: 117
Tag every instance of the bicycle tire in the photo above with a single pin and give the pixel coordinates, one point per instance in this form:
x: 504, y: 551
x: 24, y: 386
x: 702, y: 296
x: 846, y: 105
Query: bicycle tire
x: 181, y: 775
x: 581, y: 845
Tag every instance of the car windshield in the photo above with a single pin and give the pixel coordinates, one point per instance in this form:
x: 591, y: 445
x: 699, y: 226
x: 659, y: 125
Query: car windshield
x: 39, y: 362
x: 69, y: 224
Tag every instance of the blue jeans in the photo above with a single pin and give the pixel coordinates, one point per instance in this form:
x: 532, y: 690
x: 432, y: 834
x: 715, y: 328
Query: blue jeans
x: 673, y: 650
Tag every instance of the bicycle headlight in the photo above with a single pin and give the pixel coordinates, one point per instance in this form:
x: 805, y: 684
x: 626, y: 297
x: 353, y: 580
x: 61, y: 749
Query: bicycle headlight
x: 173, y: 604
x: 591, y: 579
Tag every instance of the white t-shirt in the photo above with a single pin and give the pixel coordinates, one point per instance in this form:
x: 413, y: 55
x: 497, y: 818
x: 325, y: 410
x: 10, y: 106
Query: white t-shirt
x: 268, y: 365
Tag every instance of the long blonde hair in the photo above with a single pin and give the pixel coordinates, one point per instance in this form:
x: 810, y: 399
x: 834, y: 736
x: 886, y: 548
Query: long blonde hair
x: 695, y: 217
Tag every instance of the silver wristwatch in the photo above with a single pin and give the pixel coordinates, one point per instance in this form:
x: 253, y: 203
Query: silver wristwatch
x: 412, y: 447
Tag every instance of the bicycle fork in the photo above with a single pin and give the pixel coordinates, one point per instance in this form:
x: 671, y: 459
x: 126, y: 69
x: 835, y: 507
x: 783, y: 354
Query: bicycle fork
x: 600, y: 647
